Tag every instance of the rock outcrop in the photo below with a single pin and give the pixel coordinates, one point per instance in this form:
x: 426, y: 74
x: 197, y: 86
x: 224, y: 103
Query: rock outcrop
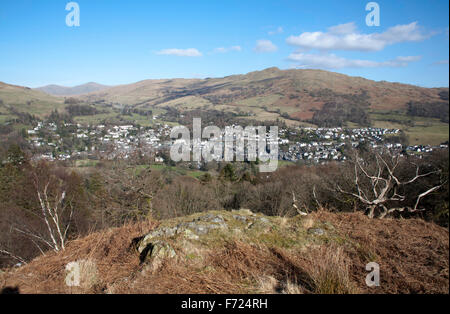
x: 183, y: 237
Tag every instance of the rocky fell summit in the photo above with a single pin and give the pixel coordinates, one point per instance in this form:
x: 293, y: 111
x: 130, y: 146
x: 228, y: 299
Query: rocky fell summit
x: 207, y: 231
x: 244, y: 252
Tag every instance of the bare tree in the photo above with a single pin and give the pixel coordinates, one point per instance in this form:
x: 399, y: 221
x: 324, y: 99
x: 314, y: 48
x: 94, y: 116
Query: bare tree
x: 294, y: 205
x: 51, y: 212
x: 383, y: 188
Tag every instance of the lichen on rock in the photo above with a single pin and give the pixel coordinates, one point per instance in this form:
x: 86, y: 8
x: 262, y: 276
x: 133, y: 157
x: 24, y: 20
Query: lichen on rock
x: 208, y: 230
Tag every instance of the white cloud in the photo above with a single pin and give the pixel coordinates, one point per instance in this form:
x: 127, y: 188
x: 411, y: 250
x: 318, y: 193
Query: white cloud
x: 331, y: 61
x: 279, y: 30
x: 342, y: 29
x: 441, y: 62
x: 190, y: 52
x: 265, y: 45
x: 408, y: 58
x: 346, y: 37
x: 225, y: 50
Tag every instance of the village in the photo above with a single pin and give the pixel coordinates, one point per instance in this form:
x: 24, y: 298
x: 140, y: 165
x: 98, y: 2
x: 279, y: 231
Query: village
x: 76, y: 141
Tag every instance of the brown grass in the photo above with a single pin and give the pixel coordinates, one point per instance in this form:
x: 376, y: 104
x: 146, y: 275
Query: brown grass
x: 109, y: 249
x: 413, y: 256
x: 243, y: 268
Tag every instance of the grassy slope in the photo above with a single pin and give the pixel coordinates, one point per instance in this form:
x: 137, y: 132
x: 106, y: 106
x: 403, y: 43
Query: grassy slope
x: 27, y: 100
x: 269, y: 87
x: 272, y: 255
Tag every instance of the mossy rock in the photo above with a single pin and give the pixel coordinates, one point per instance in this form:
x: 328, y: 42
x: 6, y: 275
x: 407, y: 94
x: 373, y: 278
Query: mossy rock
x: 212, y: 229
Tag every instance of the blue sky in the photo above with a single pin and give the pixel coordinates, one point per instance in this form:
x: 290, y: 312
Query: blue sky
x: 121, y: 42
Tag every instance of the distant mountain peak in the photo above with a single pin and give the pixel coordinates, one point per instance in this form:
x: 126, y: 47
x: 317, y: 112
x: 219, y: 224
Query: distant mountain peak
x: 271, y: 69
x: 57, y: 90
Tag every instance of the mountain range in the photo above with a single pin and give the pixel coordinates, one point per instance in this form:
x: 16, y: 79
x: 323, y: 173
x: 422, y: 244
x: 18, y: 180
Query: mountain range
x: 57, y: 90
x: 298, y: 91
x: 297, y: 97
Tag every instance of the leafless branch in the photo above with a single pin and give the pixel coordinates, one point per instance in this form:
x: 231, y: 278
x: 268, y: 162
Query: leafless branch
x: 385, y: 187
x: 18, y: 258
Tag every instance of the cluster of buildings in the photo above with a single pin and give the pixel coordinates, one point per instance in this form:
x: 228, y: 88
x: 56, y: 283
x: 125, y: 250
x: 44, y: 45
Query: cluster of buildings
x: 325, y: 144
x: 69, y: 141
x: 96, y: 142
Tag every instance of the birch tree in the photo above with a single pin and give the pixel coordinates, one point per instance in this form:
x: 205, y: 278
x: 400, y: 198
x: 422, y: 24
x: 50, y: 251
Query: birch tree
x: 55, y: 212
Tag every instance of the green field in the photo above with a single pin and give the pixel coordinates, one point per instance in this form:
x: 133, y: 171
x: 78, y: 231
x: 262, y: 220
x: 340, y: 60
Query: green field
x: 5, y: 118
x: 260, y: 101
x: 285, y: 163
x: 86, y: 163
x: 180, y: 171
x: 419, y: 130
x: 176, y: 170
x: 434, y: 134
x: 186, y: 103
x: 94, y: 119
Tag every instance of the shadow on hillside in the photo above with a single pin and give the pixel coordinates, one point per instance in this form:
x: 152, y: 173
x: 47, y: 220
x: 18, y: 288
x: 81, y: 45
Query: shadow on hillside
x: 10, y: 290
